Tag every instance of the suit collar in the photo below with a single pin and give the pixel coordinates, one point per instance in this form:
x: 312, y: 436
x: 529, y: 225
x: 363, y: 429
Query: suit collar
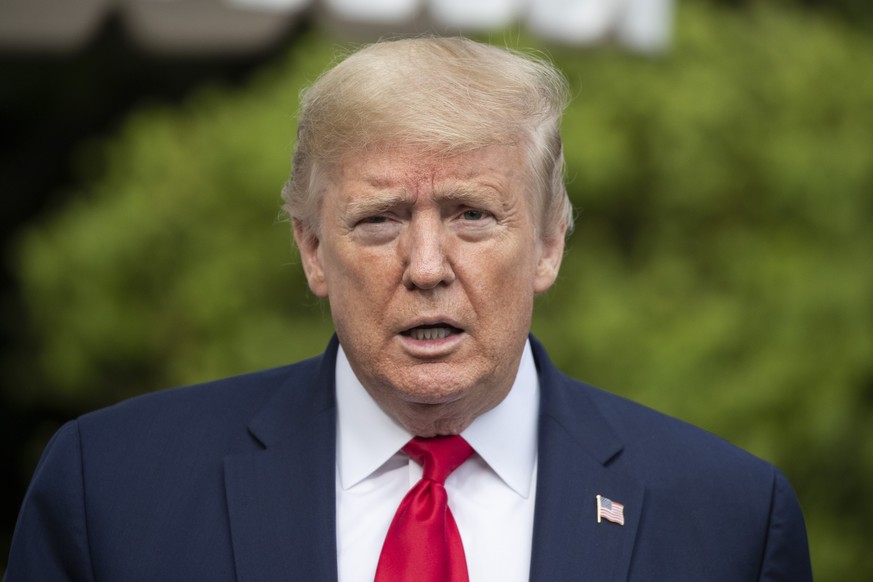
x: 578, y: 450
x: 303, y: 397
x: 506, y: 436
x: 281, y: 497
x: 565, y: 404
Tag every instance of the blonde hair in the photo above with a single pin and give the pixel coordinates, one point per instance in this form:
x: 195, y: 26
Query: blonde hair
x: 445, y: 96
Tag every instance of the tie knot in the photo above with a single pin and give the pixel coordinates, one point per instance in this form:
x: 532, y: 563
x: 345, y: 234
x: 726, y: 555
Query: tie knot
x: 439, y: 456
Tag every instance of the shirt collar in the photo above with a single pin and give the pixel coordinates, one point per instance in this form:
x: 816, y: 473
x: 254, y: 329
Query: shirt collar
x: 505, y: 436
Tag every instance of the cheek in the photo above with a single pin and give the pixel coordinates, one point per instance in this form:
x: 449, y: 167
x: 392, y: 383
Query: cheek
x: 359, y: 276
x: 508, y: 266
x: 501, y: 286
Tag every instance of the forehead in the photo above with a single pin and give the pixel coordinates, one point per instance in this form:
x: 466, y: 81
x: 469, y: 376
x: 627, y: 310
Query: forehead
x: 496, y: 169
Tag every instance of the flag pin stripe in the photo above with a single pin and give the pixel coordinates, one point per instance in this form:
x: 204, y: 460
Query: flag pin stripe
x: 609, y: 510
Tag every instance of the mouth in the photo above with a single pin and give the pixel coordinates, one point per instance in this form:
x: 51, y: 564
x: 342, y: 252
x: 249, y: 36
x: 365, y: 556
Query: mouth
x: 430, y: 332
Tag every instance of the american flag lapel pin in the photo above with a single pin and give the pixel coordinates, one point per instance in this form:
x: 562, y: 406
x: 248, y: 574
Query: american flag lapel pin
x: 609, y: 510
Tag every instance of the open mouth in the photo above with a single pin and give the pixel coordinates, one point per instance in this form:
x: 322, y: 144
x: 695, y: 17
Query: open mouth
x: 436, y: 331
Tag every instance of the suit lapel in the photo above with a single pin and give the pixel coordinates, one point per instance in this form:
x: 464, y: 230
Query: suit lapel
x: 576, y: 450
x: 281, y: 499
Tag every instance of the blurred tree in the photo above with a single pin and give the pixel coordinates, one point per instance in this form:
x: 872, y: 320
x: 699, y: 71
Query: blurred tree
x: 858, y: 13
x: 174, y: 246
x: 720, y: 270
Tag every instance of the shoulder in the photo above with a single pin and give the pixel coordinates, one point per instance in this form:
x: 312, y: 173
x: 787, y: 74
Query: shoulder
x: 720, y: 511
x: 232, y: 395
x: 665, y: 449
x: 683, y: 467
x: 211, y: 415
x: 140, y: 474
x: 627, y: 434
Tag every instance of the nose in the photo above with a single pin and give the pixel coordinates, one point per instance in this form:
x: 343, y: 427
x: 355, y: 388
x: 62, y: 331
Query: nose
x: 424, y: 252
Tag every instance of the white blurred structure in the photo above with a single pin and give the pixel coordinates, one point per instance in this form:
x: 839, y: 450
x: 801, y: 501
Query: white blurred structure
x: 237, y: 26
x: 386, y: 12
x: 642, y: 25
x: 574, y: 21
x: 50, y: 25
x: 646, y: 25
x: 478, y: 15
x: 206, y: 26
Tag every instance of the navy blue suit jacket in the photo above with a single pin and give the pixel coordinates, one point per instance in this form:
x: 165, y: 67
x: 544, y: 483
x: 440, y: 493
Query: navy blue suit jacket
x: 234, y: 480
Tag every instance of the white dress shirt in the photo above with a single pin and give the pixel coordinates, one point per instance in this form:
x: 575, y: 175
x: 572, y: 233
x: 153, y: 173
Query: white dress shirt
x: 491, y: 496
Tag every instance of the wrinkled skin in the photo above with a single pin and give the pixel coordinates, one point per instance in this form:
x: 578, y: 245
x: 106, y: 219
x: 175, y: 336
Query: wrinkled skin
x: 431, y: 266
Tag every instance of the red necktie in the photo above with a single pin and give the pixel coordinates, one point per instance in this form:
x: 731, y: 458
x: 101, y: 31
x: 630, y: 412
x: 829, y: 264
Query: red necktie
x: 423, y: 543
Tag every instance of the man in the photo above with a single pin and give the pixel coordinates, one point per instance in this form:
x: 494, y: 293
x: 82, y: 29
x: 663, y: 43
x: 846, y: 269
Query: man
x: 428, y: 205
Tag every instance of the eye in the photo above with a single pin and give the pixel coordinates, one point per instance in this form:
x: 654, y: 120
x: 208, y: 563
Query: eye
x: 473, y: 224
x: 472, y: 215
x: 376, y: 229
x: 374, y: 220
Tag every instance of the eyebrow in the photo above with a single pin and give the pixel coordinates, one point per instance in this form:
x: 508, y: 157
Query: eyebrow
x: 475, y: 194
x: 376, y: 204
x: 382, y: 200
x: 470, y: 194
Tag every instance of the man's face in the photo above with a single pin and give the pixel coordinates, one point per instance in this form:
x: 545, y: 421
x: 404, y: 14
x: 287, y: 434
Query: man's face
x: 431, y: 267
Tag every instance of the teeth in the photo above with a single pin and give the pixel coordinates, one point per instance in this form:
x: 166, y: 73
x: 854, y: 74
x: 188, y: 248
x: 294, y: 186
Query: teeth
x: 432, y: 333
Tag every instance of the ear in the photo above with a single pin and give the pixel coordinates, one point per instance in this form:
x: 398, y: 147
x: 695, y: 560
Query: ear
x: 310, y: 255
x: 552, y: 252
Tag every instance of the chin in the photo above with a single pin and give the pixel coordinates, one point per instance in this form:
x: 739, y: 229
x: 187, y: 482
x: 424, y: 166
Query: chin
x: 432, y: 393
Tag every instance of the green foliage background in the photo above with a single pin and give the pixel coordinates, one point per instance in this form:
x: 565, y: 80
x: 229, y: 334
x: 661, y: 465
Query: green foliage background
x: 720, y: 272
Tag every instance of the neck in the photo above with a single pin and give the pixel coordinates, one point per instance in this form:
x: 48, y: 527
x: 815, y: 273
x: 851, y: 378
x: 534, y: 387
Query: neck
x: 429, y: 420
